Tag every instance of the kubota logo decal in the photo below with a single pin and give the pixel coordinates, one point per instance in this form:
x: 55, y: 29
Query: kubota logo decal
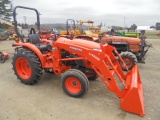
x: 97, y: 58
x: 75, y: 48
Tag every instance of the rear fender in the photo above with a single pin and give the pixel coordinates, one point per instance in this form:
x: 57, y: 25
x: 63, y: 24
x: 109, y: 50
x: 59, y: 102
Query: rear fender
x: 34, y: 49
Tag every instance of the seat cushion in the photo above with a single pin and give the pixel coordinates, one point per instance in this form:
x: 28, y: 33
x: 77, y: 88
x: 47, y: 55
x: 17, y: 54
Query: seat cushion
x: 34, y: 38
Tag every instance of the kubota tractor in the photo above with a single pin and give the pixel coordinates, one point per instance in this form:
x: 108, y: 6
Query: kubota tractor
x: 78, y: 60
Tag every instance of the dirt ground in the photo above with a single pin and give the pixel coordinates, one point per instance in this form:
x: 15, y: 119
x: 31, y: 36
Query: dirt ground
x: 47, y: 101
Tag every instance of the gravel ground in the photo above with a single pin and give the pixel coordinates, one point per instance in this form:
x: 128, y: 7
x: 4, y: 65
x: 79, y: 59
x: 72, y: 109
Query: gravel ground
x: 47, y: 101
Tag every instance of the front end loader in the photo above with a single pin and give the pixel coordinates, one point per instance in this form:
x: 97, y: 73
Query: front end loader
x: 78, y: 60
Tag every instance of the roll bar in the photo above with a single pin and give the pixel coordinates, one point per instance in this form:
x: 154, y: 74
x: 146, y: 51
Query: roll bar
x: 15, y: 20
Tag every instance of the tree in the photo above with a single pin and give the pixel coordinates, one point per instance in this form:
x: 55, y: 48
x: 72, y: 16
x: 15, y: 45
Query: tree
x: 133, y: 27
x: 6, y: 9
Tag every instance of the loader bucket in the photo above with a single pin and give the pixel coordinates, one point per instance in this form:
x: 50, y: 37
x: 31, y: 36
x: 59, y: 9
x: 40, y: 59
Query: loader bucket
x: 132, y: 98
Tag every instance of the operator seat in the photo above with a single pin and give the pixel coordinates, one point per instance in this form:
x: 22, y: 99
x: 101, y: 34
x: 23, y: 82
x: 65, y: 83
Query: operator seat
x: 34, y: 39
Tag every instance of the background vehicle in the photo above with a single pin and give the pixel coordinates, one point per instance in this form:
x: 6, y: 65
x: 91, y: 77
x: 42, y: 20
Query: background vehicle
x: 47, y: 34
x: 79, y: 60
x: 77, y: 31
x: 129, y: 34
x: 132, y: 50
x: 3, y: 34
x: 9, y: 33
x: 97, y: 30
x: 90, y: 30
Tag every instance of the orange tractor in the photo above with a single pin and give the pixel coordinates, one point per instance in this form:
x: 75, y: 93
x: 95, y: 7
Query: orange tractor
x: 46, y: 34
x: 78, y: 60
x: 132, y: 50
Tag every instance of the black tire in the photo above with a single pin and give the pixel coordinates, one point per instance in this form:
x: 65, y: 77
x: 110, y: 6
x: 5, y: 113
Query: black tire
x: 130, y: 60
x: 80, y: 72
x: 27, y: 66
x: 74, y: 83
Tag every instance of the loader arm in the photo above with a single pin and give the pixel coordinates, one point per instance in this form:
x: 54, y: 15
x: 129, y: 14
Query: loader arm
x: 103, y: 60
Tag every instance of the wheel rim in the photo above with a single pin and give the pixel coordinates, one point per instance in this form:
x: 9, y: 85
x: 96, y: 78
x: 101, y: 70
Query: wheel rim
x: 23, y: 68
x: 73, y: 85
x: 128, y: 62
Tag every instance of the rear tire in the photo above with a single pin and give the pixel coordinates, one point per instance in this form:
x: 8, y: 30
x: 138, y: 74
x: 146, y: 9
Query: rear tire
x: 130, y: 60
x: 27, y: 66
x: 74, y: 83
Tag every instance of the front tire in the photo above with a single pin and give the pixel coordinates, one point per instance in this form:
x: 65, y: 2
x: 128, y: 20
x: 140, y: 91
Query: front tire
x: 129, y: 59
x: 27, y: 66
x: 74, y: 83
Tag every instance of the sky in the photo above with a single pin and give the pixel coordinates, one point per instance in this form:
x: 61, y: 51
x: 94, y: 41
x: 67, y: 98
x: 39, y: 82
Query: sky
x: 122, y: 13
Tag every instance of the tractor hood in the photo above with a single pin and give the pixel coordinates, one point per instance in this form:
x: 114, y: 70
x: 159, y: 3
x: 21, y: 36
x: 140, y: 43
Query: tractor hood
x: 129, y: 40
x: 79, y: 42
